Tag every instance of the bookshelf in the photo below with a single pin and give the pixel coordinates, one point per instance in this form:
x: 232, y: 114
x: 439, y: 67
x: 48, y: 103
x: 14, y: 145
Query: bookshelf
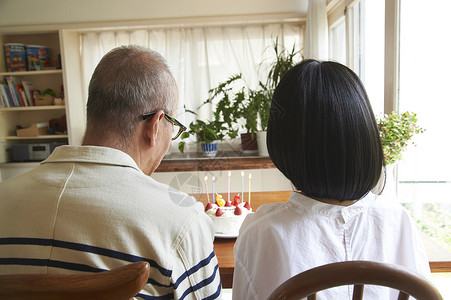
x: 25, y: 116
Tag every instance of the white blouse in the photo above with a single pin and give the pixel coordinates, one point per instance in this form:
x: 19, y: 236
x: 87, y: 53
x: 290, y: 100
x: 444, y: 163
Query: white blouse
x: 283, y: 239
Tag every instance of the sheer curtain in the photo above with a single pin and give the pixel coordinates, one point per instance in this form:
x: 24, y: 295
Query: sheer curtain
x: 316, y: 37
x: 199, y: 57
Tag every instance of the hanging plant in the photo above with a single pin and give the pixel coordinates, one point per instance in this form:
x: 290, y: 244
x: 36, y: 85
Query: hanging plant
x: 396, y: 131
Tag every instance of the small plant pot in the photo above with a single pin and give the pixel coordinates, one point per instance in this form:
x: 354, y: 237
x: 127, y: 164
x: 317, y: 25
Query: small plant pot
x: 249, y: 143
x: 210, y: 149
x: 261, y: 141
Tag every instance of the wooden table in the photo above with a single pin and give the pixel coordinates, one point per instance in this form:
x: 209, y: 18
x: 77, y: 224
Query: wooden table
x: 224, y: 253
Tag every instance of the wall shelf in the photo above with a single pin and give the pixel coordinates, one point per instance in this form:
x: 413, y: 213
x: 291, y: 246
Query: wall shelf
x: 39, y: 137
x: 32, y: 73
x: 33, y: 108
x: 215, y: 164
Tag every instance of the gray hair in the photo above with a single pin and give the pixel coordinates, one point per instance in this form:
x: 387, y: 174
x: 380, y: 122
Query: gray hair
x: 128, y: 82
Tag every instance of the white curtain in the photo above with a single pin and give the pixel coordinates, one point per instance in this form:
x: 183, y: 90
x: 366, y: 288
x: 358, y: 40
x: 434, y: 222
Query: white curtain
x: 199, y: 57
x: 316, y: 31
x: 337, y: 40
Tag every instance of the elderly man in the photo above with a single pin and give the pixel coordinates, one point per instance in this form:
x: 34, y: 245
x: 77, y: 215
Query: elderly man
x: 94, y: 207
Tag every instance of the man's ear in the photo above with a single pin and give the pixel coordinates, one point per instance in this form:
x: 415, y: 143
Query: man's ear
x: 152, y: 128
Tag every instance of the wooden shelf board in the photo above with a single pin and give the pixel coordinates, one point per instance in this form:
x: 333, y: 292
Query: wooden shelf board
x: 39, y: 137
x: 32, y: 73
x: 34, y: 108
x: 215, y: 164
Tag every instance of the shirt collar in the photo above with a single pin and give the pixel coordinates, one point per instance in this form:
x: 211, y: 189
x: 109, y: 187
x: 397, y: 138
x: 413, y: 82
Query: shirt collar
x: 91, y: 154
x: 345, y: 212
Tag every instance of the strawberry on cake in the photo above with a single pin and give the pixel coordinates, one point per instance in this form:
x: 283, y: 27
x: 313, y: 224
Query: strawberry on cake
x: 227, y: 215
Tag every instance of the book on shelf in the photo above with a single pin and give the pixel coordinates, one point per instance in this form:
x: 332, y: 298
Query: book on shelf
x: 24, y: 97
x: 3, y: 97
x: 29, y: 91
x: 2, y: 101
x: 21, y: 93
x: 6, y: 94
x: 11, y: 81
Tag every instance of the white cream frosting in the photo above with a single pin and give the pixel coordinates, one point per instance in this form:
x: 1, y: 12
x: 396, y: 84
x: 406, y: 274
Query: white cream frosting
x: 228, y: 223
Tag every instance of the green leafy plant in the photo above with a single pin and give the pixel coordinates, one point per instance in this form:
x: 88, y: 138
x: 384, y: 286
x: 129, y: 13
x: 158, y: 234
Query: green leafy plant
x: 249, y: 110
x: 396, y: 131
x: 432, y: 221
x: 235, y: 101
x: 203, y: 131
x: 46, y: 93
x: 228, y: 99
x: 283, y: 61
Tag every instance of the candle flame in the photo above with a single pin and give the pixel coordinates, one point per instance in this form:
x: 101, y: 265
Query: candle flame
x: 214, y: 178
x: 250, y: 176
x: 230, y: 173
x: 206, y: 178
x: 242, y: 173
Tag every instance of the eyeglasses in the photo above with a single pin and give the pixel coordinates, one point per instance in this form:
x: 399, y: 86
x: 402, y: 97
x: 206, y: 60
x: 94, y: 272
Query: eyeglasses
x: 176, y: 132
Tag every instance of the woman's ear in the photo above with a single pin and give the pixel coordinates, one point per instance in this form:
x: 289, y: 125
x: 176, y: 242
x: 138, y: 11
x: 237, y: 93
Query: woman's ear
x: 152, y: 128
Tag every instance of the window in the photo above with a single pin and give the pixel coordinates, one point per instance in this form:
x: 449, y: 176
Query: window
x: 337, y: 51
x: 424, y: 174
x: 357, y: 40
x: 355, y: 16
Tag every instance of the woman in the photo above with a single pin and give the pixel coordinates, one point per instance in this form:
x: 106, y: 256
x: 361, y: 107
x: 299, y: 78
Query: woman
x: 322, y: 135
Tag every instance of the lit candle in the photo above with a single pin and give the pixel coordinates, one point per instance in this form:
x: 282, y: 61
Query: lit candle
x: 242, y: 186
x: 228, y: 186
x: 213, y: 187
x: 206, y: 188
x: 250, y: 176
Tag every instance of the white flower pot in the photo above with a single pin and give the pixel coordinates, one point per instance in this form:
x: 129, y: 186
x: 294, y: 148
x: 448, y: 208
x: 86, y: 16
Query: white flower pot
x: 210, y: 149
x: 261, y: 141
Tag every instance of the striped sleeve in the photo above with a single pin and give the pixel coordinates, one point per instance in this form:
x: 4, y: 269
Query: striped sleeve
x: 70, y: 257
x: 196, y: 275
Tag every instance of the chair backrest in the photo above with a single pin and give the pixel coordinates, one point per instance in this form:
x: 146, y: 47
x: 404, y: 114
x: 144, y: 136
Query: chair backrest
x: 357, y: 273
x: 118, y: 284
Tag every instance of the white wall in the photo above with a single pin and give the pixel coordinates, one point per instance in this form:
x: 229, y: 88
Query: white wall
x: 32, y: 12
x: 263, y: 180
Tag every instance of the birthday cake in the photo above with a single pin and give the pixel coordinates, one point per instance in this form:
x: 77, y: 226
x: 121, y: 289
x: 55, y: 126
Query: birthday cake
x: 227, y: 215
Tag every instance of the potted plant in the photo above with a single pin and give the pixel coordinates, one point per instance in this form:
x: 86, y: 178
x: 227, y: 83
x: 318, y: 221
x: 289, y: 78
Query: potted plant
x: 233, y: 106
x: 230, y: 98
x: 250, y: 111
x: 283, y: 62
x: 238, y: 106
x: 396, y: 131
x: 207, y: 133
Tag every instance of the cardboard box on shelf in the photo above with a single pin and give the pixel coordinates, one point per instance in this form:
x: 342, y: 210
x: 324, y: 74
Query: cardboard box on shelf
x: 34, y: 130
x: 44, y: 100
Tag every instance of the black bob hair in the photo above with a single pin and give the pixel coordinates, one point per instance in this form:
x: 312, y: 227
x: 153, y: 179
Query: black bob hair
x: 322, y: 133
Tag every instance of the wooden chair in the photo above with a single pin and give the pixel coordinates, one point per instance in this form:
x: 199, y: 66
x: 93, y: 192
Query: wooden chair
x: 357, y: 273
x: 118, y: 284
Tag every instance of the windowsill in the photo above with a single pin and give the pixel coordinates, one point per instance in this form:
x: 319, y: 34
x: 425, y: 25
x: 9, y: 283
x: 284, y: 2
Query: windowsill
x: 439, y: 257
x: 182, y: 163
x: 222, y: 161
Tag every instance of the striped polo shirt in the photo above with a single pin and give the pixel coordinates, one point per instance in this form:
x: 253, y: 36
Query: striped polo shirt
x: 91, y: 209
